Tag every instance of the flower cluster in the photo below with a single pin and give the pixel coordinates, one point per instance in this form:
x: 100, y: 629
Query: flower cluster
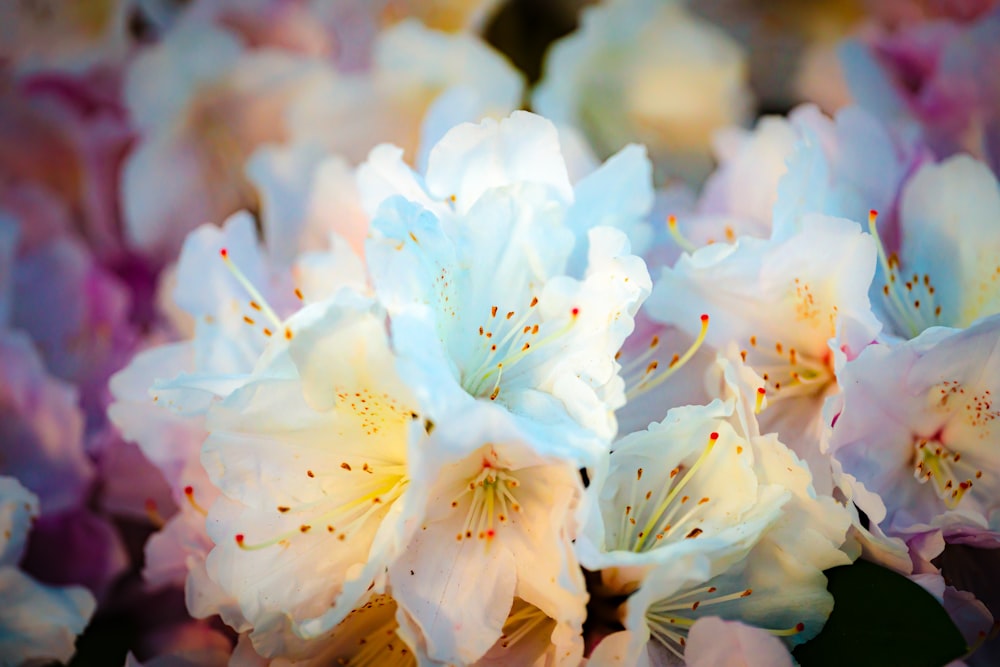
x: 318, y: 349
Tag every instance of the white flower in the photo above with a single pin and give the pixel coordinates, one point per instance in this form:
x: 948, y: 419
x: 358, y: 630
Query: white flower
x: 918, y: 428
x: 309, y: 201
x: 311, y: 456
x: 647, y: 71
x: 476, y: 273
x: 735, y: 529
x: 493, y: 518
x: 687, y: 482
x: 779, y: 303
x: 162, y: 396
x: 37, y: 622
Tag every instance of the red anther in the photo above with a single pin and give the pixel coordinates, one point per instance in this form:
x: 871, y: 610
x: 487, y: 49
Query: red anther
x: 189, y: 490
x: 575, y: 311
x: 224, y: 253
x: 704, y: 317
x: 239, y: 539
x: 714, y: 436
x: 761, y: 391
x: 799, y: 627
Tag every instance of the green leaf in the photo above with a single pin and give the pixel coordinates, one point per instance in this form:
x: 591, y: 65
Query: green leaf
x: 881, y: 618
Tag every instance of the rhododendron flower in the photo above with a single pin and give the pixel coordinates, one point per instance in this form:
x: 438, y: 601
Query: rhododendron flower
x: 494, y: 516
x: 311, y: 456
x: 687, y: 482
x: 477, y: 273
x: 691, y: 521
x: 226, y: 282
x: 77, y: 314
x: 421, y: 83
x: 358, y: 18
x: 780, y: 303
x: 744, y: 188
x: 647, y: 71
x: 309, y: 201
x: 917, y: 428
x: 770, y: 178
x: 711, y: 642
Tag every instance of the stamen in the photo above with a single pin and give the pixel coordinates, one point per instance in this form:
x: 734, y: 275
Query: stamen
x: 786, y: 632
x: 952, y: 475
x: 652, y: 379
x: 759, y: 404
x: 679, y: 238
x: 189, y: 493
x: 153, y: 513
x: 659, y: 519
x: 789, y: 373
x: 492, y: 499
x: 259, y: 302
x: 634, y: 364
x: 523, y: 620
x: 517, y: 343
x: 370, y: 641
x: 706, y: 602
x: 352, y: 514
x: 670, y: 620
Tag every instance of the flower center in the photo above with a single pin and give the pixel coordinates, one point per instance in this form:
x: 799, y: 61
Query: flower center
x: 647, y: 521
x: 374, y: 488
x: 670, y: 619
x: 504, y: 341
x: 951, y: 474
x: 787, y: 373
x: 368, y: 637
x: 491, y: 501
x: 525, y: 620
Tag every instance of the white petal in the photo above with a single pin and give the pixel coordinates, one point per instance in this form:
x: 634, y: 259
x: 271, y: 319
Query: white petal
x: 471, y: 159
x: 713, y: 642
x: 38, y: 621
